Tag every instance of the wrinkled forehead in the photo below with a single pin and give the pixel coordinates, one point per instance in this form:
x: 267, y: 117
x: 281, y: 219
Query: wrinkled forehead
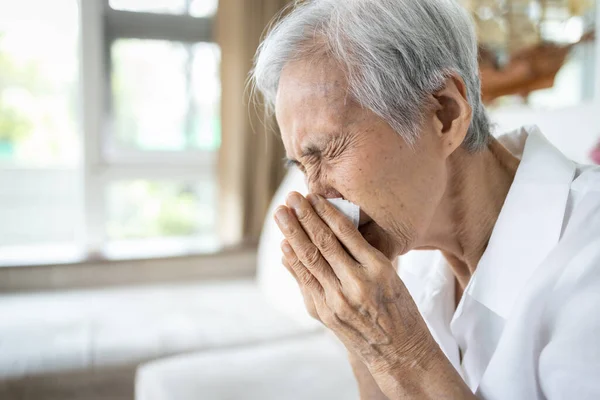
x: 312, y: 98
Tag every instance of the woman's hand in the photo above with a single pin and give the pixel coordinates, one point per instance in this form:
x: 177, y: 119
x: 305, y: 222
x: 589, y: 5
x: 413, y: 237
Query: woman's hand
x: 353, y: 288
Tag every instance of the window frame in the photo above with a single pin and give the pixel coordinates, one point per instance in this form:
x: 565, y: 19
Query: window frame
x: 104, y: 163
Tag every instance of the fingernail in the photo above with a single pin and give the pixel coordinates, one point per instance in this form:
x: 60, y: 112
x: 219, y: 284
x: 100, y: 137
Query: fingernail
x: 282, y: 216
x: 314, y: 199
x: 287, y: 249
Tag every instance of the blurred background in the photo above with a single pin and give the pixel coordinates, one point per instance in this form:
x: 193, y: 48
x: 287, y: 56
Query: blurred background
x: 135, y: 175
x: 153, y: 97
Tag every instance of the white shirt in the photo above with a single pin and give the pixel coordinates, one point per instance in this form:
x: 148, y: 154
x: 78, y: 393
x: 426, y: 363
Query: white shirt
x: 528, y: 324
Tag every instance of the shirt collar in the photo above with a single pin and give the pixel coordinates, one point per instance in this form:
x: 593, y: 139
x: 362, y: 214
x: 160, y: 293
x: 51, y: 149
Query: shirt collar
x: 528, y: 227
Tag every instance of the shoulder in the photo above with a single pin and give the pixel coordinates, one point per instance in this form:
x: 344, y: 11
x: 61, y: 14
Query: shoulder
x: 569, y: 358
x: 583, y: 210
x: 579, y: 246
x: 576, y: 259
x: 574, y: 296
x: 587, y: 179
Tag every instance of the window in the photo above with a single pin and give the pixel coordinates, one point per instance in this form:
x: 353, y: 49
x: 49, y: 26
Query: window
x: 187, y: 76
x: 38, y: 88
x: 195, y: 8
x: 39, y: 125
x: 163, y: 105
x: 109, y: 127
x: 142, y: 209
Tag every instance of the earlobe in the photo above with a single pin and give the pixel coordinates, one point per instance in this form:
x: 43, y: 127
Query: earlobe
x: 453, y: 114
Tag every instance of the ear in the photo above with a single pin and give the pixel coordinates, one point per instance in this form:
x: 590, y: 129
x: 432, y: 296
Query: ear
x: 452, y: 115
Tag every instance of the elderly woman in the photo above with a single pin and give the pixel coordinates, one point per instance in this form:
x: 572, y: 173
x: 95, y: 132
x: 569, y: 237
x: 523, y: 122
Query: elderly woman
x: 378, y: 102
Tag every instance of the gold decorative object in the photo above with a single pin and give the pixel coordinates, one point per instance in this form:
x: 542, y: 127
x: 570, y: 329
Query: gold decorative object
x: 519, y: 49
x: 580, y: 7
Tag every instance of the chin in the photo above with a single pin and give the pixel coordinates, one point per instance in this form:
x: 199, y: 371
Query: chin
x: 377, y: 237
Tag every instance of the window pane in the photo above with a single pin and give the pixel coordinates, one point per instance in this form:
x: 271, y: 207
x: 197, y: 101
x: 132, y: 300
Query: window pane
x: 38, y: 206
x: 166, y: 95
x: 146, y: 209
x: 195, y: 8
x: 38, y: 82
x: 203, y: 8
x: 40, y: 200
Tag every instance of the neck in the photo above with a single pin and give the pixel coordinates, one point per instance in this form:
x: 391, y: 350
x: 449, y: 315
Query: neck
x: 477, y: 188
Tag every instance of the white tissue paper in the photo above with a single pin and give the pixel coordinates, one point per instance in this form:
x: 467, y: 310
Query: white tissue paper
x: 350, y: 210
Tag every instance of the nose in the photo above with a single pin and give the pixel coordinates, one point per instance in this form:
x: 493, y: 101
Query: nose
x: 323, y: 189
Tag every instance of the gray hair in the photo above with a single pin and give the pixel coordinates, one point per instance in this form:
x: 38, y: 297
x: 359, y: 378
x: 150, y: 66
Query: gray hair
x: 395, y: 54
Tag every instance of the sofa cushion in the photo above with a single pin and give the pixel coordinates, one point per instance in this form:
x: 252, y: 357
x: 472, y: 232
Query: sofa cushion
x: 42, y: 333
x: 315, y: 367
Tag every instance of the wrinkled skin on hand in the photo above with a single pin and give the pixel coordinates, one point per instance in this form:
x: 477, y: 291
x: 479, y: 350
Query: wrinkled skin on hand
x: 351, y: 287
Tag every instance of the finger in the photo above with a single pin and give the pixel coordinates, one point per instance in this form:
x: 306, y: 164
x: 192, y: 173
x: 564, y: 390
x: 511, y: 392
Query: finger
x: 345, y: 231
x: 288, y: 267
x: 306, y: 293
x: 304, y: 251
x: 322, y: 236
x: 304, y: 277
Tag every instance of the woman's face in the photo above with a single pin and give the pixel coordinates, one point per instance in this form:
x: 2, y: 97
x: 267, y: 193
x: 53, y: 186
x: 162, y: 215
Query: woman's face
x: 347, y: 151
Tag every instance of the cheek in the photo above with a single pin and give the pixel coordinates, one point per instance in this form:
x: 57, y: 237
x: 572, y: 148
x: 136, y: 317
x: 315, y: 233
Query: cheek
x: 402, y: 197
x: 392, y: 183
x: 365, y: 182
x: 352, y: 180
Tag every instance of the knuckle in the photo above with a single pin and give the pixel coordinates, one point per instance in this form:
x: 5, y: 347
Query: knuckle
x: 329, y: 212
x: 345, y: 227
x: 305, y: 277
x: 325, y: 240
x: 292, y: 231
x: 328, y: 318
x: 344, y: 313
x: 362, y: 295
x: 304, y: 214
x: 313, y: 314
x: 311, y: 255
x: 341, y: 308
x: 310, y: 307
x: 376, y: 260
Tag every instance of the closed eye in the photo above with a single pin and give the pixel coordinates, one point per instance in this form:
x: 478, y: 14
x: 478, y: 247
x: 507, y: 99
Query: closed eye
x: 289, y: 163
x: 310, y: 156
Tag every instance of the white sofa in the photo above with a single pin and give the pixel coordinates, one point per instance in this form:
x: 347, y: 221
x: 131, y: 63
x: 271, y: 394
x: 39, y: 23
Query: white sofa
x: 88, y: 344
